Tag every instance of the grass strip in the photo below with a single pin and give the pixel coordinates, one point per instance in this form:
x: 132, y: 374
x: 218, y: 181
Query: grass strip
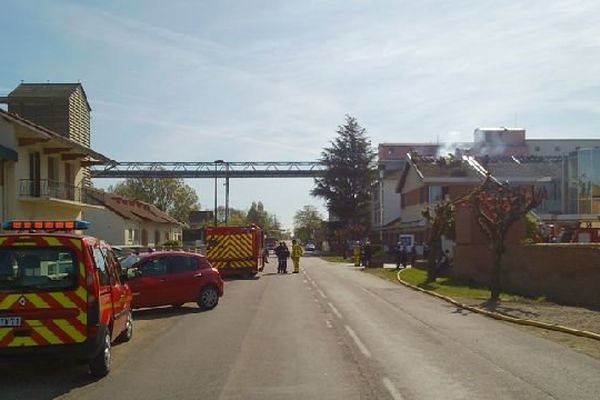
x: 443, y: 285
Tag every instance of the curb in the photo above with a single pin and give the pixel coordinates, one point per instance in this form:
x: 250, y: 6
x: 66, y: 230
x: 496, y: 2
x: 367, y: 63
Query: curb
x: 502, y: 317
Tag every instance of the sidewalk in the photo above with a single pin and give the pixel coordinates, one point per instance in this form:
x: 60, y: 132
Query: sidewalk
x: 580, y: 318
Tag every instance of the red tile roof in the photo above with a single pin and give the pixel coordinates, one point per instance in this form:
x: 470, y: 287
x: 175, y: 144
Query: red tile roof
x: 135, y: 210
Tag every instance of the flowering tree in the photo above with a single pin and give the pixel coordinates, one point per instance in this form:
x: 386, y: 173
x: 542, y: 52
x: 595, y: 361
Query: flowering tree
x: 497, y: 207
x: 441, y: 223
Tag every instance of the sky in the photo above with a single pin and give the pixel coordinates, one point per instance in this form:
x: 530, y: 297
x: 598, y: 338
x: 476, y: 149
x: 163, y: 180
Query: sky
x: 272, y: 80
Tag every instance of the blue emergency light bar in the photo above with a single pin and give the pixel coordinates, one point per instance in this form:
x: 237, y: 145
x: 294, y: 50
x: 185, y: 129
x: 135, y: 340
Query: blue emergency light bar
x: 45, y: 225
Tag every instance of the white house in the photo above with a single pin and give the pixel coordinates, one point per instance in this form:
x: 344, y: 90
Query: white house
x: 124, y: 221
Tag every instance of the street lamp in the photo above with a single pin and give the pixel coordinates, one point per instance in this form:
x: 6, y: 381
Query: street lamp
x: 215, y: 216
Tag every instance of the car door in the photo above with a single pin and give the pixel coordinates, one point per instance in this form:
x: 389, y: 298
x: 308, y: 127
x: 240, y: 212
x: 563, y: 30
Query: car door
x: 184, y: 278
x: 120, y: 298
x: 149, y: 289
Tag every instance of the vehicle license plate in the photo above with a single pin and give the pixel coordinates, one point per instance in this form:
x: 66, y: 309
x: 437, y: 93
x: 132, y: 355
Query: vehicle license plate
x: 10, y: 321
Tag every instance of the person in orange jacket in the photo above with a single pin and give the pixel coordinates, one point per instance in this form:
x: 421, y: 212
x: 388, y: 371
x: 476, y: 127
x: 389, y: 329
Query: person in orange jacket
x: 296, y: 254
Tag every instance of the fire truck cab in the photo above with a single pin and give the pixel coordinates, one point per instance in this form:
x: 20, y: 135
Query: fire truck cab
x: 61, y: 294
x: 235, y: 250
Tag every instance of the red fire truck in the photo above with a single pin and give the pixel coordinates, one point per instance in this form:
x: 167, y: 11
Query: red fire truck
x: 235, y: 250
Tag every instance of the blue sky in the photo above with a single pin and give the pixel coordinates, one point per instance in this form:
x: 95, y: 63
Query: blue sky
x: 271, y: 80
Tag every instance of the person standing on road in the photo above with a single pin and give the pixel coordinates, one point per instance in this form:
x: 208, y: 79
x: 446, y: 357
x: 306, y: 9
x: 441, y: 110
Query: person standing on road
x: 265, y: 258
x: 296, y: 254
x: 282, y: 254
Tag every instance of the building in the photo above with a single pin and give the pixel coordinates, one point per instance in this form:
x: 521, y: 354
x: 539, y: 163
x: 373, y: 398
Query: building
x: 427, y: 180
x: 512, y: 158
x: 42, y: 172
x: 123, y: 221
x: 499, y: 142
x: 60, y: 107
x: 385, y: 200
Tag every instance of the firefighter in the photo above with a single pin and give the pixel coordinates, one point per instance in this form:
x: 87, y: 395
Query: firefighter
x: 282, y: 254
x: 296, y: 253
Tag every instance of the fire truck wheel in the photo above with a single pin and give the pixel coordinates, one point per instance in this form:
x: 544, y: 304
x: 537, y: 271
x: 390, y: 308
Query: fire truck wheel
x: 100, y: 365
x: 209, y: 298
x: 127, y: 334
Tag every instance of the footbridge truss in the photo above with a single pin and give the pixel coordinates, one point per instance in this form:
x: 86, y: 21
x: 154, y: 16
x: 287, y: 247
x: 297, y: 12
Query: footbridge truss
x: 211, y: 169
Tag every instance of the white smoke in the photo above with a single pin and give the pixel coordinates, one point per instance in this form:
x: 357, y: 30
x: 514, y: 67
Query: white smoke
x: 450, y: 143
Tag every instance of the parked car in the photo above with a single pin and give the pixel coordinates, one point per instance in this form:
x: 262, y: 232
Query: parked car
x: 172, y: 278
x: 61, y: 295
x: 310, y: 246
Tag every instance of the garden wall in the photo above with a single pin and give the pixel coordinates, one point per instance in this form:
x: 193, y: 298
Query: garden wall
x: 566, y: 273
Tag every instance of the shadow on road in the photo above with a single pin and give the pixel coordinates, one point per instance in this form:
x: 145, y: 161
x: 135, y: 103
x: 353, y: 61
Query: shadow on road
x: 41, y: 380
x: 164, y: 312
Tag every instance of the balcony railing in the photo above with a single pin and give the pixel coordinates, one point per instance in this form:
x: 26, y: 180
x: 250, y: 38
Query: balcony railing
x: 47, y: 188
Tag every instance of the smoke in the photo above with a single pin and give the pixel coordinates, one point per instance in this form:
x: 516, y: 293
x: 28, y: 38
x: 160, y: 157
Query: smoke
x: 450, y: 143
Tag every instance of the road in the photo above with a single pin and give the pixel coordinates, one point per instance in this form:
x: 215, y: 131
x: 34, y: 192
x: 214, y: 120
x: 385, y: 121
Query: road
x: 331, y: 332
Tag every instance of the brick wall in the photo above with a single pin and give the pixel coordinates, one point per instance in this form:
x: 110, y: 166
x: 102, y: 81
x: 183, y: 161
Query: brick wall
x: 566, y: 273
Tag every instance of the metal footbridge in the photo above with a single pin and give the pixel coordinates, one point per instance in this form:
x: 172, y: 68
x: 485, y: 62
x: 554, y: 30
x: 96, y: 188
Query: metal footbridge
x: 209, y: 169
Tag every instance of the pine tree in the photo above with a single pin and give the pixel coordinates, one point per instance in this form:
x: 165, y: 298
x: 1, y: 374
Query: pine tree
x: 349, y: 175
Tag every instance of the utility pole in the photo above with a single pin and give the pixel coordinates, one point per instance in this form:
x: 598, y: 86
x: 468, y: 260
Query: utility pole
x: 215, y: 212
x: 226, y: 193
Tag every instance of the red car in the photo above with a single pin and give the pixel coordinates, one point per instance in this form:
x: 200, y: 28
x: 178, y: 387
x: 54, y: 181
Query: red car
x: 172, y: 278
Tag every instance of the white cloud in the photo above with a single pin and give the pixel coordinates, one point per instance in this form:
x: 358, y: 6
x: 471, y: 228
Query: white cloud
x: 272, y: 80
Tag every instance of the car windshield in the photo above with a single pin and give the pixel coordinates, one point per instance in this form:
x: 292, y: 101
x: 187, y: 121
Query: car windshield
x: 37, y: 268
x: 128, y: 261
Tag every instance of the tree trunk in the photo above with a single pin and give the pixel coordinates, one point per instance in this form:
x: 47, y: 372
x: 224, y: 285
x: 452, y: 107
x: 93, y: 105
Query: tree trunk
x: 495, y: 277
x: 434, y: 255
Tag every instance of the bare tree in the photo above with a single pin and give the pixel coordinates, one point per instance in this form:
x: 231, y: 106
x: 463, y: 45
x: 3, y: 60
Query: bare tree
x: 497, y: 207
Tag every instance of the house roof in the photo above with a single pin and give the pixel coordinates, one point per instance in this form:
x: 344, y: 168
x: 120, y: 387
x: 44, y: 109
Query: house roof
x: 528, y: 168
x: 523, y: 169
x: 50, y: 134
x: 135, y: 210
x: 46, y: 90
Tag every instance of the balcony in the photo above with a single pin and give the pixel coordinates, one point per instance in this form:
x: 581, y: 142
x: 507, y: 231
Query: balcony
x: 54, y: 190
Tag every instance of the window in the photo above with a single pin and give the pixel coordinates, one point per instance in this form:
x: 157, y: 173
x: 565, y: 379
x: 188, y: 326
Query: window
x: 37, y: 268
x: 537, y: 148
x: 155, y: 266
x: 557, y: 148
x: 101, y: 267
x: 114, y: 266
x: 52, y: 169
x: 183, y: 264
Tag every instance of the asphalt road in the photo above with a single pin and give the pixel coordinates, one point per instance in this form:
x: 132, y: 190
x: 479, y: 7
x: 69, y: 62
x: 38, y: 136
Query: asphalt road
x: 331, y: 332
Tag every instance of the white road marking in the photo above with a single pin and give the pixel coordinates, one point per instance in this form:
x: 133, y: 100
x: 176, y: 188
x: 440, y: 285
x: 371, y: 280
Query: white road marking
x: 396, y: 395
x: 328, y: 323
x: 361, y: 346
x: 335, y: 311
x: 322, y: 294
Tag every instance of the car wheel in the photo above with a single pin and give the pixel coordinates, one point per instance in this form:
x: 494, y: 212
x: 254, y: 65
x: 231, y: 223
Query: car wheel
x: 209, y: 298
x: 100, y: 365
x: 127, y: 334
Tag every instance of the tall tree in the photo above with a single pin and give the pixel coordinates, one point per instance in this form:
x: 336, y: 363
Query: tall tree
x: 170, y: 195
x: 497, y: 207
x: 258, y: 215
x: 306, y: 222
x: 349, y: 174
x: 236, y: 217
